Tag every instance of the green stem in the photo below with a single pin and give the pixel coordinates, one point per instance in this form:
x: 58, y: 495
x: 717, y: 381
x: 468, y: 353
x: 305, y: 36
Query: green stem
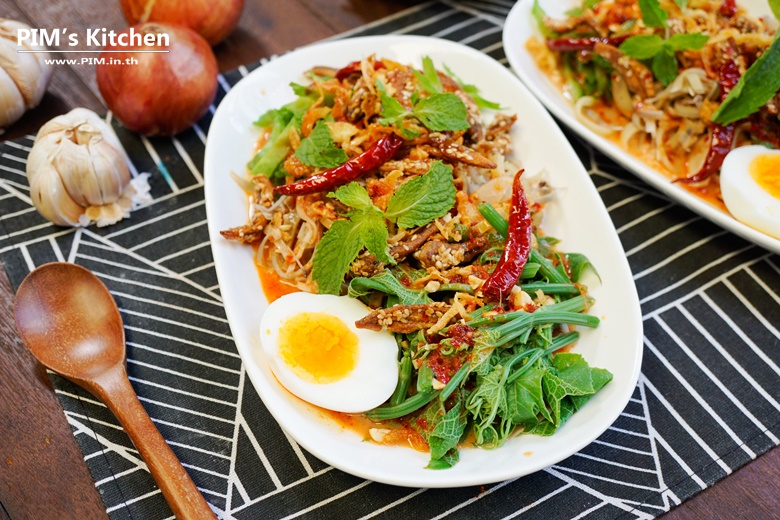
x: 456, y: 380
x: 412, y: 404
x: 404, y: 376
x: 558, y: 343
x: 457, y: 287
x: 551, y: 288
x: 576, y: 304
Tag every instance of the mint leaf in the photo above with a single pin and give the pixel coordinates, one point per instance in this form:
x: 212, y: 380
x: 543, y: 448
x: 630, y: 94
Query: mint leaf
x: 423, y: 198
x: 393, y: 112
x: 473, y: 91
x: 429, y: 80
x: 652, y: 13
x: 318, y: 149
x: 754, y: 89
x: 642, y: 46
x: 341, y: 244
x: 353, y: 195
x: 682, y: 42
x: 374, y: 235
x: 335, y: 252
x: 387, y: 283
x: 441, y: 112
x: 665, y: 66
x: 682, y: 4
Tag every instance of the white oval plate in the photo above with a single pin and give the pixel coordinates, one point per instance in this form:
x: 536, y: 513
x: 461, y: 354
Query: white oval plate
x: 578, y: 218
x: 520, y: 26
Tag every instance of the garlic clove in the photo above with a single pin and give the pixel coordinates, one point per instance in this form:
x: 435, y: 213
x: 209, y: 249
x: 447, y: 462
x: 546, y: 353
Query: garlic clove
x: 12, y: 105
x: 77, y: 171
x: 47, y: 187
x: 28, y: 70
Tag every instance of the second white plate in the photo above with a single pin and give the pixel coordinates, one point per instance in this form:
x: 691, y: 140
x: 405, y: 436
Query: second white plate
x: 520, y: 26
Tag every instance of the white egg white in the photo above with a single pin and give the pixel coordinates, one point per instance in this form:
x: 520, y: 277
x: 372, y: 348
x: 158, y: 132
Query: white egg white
x: 370, y: 383
x: 744, y: 198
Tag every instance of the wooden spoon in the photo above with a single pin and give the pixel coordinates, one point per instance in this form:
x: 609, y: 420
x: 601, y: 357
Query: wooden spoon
x: 70, y: 322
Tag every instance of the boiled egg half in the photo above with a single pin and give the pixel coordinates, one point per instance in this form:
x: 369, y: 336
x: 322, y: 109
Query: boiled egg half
x: 750, y: 186
x: 316, y: 352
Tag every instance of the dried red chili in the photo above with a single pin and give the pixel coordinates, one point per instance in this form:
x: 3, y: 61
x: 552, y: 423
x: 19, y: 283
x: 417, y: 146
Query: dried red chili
x: 582, y: 44
x: 379, y: 153
x: 728, y: 8
x: 722, y: 136
x: 517, y: 249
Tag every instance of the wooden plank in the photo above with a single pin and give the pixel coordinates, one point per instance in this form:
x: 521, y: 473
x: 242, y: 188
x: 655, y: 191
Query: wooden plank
x: 268, y: 28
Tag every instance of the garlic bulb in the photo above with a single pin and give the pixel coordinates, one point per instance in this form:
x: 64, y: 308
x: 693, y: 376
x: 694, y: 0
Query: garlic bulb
x: 23, y: 76
x: 78, y: 172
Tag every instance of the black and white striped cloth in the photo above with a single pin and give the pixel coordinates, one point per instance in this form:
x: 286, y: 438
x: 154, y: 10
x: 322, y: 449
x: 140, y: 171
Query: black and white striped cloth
x: 706, y: 403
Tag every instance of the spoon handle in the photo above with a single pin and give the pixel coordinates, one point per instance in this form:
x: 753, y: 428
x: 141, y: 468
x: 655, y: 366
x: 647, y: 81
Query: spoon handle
x: 177, y: 487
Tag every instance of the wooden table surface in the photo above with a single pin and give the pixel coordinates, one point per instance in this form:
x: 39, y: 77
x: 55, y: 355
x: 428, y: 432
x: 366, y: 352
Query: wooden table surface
x: 42, y: 472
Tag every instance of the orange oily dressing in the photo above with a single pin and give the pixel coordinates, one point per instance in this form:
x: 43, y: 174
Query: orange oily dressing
x: 765, y: 170
x: 318, y: 347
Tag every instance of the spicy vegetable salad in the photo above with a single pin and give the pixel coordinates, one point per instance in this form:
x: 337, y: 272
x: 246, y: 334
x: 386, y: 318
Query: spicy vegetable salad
x: 388, y: 184
x: 677, y: 83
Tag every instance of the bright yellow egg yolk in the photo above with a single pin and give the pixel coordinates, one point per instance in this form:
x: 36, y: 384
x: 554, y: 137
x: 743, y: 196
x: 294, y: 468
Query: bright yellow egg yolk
x: 318, y: 347
x: 765, y: 170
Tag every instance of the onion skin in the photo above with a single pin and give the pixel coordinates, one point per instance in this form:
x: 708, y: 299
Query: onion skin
x: 212, y: 19
x: 164, y: 93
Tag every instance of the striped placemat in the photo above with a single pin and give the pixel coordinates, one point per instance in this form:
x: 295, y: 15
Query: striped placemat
x: 706, y: 403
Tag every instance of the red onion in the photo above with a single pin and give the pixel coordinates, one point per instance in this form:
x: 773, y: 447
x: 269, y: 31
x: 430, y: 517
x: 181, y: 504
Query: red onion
x: 212, y: 19
x: 159, y: 93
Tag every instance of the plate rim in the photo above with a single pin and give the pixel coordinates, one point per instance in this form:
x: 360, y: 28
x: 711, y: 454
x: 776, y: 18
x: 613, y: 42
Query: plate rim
x: 633, y: 164
x: 638, y: 346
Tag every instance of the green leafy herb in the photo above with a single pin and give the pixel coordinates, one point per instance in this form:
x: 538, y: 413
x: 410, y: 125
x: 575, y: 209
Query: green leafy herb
x: 414, y: 204
x: 473, y: 91
x: 662, y: 52
x: 340, y: 245
x: 683, y: 42
x: 318, y: 149
x: 665, y: 66
x: 355, y: 196
x: 429, y: 79
x: 642, y: 46
x: 754, y: 89
x: 441, y: 112
x: 385, y: 282
x: 438, y: 112
x: 682, y: 4
x: 423, y: 198
x: 653, y: 14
